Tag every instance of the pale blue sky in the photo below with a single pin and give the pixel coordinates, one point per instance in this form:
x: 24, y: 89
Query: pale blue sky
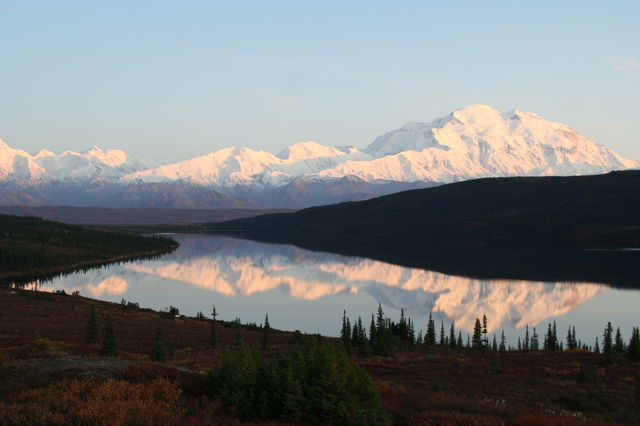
x: 176, y: 79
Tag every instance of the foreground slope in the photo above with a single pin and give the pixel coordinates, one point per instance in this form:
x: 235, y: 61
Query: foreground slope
x: 602, y: 208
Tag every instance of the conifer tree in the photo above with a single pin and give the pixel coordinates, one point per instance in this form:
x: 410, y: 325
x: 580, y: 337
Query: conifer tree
x: 109, y: 339
x: 633, y: 350
x: 503, y: 342
x: 403, y: 330
x: 266, y: 331
x: 535, y: 345
x: 618, y: 346
x: 380, y: 322
x: 550, y: 339
x: 607, y: 341
x: 596, y: 347
x: 452, y: 336
x: 476, y: 340
x: 569, y: 339
x: 161, y: 351
x: 419, y: 338
x: 412, y: 334
x: 459, y: 343
x: 494, y: 346
x: 372, y: 332
x: 468, y: 341
x: 355, y: 335
x: 92, y: 335
x: 485, y: 338
x: 214, y: 328
x: 430, y: 337
x: 526, y: 344
x: 519, y: 344
x: 345, y: 333
x: 442, y: 338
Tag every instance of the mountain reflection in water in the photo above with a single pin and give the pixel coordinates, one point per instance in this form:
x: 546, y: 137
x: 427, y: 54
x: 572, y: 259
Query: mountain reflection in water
x: 308, y: 290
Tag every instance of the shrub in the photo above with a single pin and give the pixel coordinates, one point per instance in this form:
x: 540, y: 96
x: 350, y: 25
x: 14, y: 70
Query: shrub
x: 86, y: 401
x: 316, y: 383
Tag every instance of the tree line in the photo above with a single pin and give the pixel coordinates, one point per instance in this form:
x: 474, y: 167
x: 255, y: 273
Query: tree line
x: 33, y: 243
x: 385, y: 336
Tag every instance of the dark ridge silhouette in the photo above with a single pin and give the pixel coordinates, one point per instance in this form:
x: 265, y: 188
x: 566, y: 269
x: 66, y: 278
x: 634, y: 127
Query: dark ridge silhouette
x: 542, y: 228
x: 132, y: 216
x: 580, y: 209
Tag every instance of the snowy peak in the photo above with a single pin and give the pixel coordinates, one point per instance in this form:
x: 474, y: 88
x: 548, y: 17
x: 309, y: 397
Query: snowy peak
x: 16, y: 164
x: 111, y: 157
x: 310, y: 149
x: 93, y: 163
x: 228, y: 166
x: 43, y: 153
x: 481, y: 141
x: 233, y: 166
x: 471, y: 142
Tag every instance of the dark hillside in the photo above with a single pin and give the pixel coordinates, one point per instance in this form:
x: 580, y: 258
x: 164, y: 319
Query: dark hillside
x: 581, y: 209
x: 30, y: 245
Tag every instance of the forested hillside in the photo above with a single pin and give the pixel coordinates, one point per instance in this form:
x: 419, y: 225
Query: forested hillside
x: 33, y: 245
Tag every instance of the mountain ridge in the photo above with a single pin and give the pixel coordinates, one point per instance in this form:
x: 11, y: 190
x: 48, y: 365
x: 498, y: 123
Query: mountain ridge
x: 472, y: 142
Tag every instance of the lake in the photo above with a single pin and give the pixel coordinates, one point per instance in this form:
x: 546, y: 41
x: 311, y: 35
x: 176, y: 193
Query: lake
x: 308, y: 291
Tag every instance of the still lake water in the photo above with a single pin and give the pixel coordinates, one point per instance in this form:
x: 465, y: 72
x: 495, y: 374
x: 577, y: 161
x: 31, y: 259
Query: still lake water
x: 307, y: 290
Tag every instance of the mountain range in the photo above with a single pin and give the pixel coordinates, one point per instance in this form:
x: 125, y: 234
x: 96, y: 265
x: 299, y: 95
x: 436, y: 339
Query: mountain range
x: 472, y: 142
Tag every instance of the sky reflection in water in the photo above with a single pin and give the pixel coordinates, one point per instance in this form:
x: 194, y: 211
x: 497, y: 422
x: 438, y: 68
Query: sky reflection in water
x: 307, y: 290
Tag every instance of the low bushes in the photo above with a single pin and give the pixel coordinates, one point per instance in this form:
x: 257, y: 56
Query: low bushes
x: 315, y: 383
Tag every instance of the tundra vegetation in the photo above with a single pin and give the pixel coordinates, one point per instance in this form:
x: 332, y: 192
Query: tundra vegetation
x: 87, y: 361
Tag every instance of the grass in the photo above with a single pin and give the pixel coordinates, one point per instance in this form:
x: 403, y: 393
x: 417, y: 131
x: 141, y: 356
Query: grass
x: 42, y: 353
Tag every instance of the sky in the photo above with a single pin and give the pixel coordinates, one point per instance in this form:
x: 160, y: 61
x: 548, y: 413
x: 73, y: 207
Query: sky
x: 171, y: 80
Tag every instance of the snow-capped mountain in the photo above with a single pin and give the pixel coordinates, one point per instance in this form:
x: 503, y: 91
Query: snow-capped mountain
x: 236, y: 166
x: 480, y: 141
x: 93, y: 163
x: 472, y: 142
x: 17, y: 164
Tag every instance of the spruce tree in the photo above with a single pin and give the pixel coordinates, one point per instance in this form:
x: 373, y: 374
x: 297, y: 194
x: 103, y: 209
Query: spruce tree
x: 161, y: 351
x: 633, y: 350
x: 485, y: 338
x: 93, y: 332
x: 607, y: 341
x: 403, y: 330
x: 618, y: 346
x: 266, y: 331
x: 459, y: 343
x: 372, y: 332
x: 535, y: 345
x: 503, y: 342
x: 109, y: 339
x: 442, y: 342
x: 412, y: 334
x: 476, y: 340
x: 494, y: 346
x: 452, y: 336
x: 569, y: 339
x: 526, y: 345
x: 430, y: 338
x: 380, y: 322
x: 214, y: 329
x: 596, y: 347
x: 345, y: 333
